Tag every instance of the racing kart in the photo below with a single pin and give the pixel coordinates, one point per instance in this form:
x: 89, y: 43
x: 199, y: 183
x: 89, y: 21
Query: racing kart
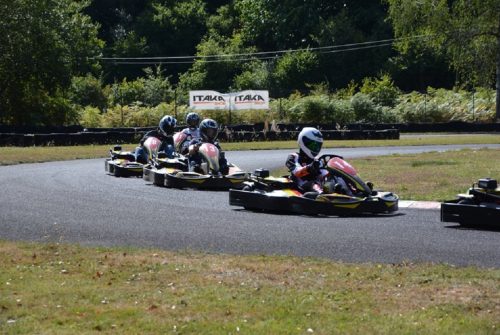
x: 160, y: 165
x: 479, y: 206
x: 345, y: 193
x: 124, y: 164
x: 209, y: 175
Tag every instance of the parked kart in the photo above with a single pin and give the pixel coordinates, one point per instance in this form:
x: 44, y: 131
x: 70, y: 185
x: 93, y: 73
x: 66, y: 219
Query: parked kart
x: 345, y: 193
x: 479, y: 206
x: 209, y: 176
x: 124, y: 164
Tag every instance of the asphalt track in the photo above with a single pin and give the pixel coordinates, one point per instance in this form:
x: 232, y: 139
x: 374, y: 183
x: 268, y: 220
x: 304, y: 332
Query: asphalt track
x: 76, y: 202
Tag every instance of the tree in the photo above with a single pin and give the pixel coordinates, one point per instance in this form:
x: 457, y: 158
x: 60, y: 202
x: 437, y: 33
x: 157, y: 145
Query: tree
x: 172, y: 28
x: 467, y: 32
x: 42, y: 45
x: 217, y: 72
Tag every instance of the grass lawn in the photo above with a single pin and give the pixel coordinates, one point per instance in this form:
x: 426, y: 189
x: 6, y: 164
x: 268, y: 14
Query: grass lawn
x: 16, y: 155
x: 61, y: 289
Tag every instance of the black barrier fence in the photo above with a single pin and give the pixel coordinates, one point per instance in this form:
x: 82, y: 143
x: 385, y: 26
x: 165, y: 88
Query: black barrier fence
x: 457, y: 126
x: 76, y: 135
x: 115, y: 137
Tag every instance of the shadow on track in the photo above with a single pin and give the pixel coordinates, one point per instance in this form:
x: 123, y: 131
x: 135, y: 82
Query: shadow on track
x: 481, y: 227
x: 287, y: 213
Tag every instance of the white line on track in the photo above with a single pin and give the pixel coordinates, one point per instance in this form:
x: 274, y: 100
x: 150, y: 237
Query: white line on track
x: 419, y: 204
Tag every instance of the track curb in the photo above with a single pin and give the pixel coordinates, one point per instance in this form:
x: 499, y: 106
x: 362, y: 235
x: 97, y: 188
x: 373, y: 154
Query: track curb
x: 419, y: 204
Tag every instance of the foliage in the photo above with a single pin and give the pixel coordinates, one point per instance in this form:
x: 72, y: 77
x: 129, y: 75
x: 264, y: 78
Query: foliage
x: 382, y: 90
x: 157, y: 89
x: 127, y: 92
x: 319, y: 106
x: 43, y: 44
x: 87, y: 91
x: 254, y: 75
x: 365, y: 108
x: 295, y: 69
x: 215, y: 72
x: 440, y: 105
x: 50, y: 68
x: 466, y: 32
x: 91, y: 117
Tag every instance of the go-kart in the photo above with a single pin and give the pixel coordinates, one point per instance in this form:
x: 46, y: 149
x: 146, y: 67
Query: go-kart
x: 345, y: 193
x: 159, y: 165
x: 479, y: 206
x: 208, y: 175
x: 124, y: 164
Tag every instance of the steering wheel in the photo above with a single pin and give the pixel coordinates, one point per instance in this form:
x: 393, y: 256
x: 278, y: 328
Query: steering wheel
x: 326, y: 157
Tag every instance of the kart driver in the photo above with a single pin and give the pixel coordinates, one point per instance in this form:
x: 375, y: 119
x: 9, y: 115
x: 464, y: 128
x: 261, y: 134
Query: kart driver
x: 305, y: 169
x: 209, y: 129
x: 192, y: 131
x: 164, y: 133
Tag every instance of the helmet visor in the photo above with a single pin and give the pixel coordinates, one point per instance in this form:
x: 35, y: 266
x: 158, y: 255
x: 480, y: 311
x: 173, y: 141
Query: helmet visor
x: 211, y: 133
x: 314, y: 146
x: 193, y: 123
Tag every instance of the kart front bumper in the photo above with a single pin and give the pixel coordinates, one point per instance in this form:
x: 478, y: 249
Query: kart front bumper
x: 123, y: 168
x: 470, y: 214
x: 207, y: 182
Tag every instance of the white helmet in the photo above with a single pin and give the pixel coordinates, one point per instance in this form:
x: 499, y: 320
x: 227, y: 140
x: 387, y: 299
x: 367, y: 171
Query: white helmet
x: 310, y: 141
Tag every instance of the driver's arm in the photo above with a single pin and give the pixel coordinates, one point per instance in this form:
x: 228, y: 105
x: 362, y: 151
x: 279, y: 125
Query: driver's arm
x: 194, y: 145
x: 292, y: 163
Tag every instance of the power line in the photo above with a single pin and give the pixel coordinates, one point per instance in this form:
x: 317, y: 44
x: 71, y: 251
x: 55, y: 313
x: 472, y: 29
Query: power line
x: 252, y: 56
x: 160, y: 62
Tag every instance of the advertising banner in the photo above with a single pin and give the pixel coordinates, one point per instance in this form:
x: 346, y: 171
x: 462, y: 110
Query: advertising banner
x: 250, y: 100
x: 210, y: 100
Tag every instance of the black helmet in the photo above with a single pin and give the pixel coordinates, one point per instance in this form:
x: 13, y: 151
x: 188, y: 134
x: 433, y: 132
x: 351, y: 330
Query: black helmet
x: 192, y: 120
x: 167, y: 125
x: 209, y: 129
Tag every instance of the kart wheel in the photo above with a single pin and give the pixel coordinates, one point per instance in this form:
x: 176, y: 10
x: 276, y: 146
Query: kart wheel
x: 158, y: 179
x: 167, y: 182
x: 248, y: 188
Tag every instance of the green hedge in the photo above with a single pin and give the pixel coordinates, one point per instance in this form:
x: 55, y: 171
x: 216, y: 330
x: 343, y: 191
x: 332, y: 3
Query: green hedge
x: 376, y: 100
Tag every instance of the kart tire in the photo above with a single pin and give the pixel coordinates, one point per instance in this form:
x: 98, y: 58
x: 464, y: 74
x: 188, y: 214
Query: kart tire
x: 158, y: 179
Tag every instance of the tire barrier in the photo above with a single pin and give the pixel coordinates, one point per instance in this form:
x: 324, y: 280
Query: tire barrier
x: 83, y: 138
x: 117, y: 137
x: 40, y: 129
x: 455, y: 126
x: 250, y: 136
x: 76, y: 135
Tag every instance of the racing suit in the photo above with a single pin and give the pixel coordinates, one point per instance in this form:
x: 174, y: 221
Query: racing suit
x: 191, y: 134
x: 167, y: 146
x: 306, y: 172
x: 195, y: 158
